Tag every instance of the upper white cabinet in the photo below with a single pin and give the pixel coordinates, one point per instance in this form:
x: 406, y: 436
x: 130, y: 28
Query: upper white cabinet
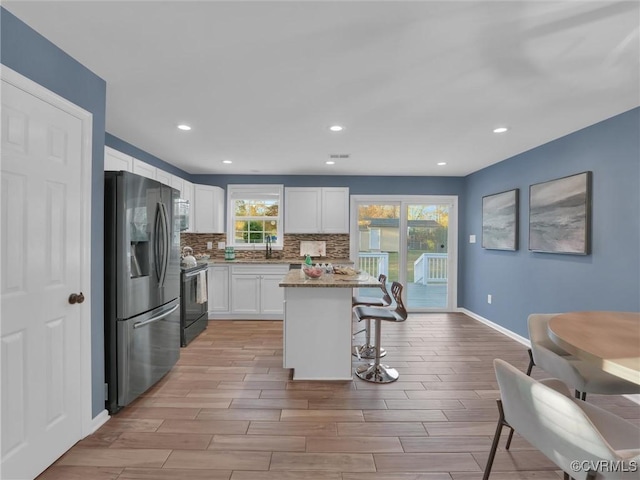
x: 208, y: 209
x: 163, y: 177
x: 115, y: 160
x: 316, y: 210
x: 144, y: 169
x: 177, y: 183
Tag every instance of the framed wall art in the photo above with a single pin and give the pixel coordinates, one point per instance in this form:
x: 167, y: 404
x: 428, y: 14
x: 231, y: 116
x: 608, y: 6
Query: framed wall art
x: 500, y: 221
x: 560, y: 215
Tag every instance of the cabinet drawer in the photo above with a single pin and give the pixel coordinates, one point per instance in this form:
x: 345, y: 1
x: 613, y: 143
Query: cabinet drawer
x: 260, y: 269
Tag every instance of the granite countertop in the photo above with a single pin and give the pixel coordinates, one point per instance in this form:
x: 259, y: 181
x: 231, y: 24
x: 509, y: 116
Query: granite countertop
x: 289, y: 261
x: 293, y: 279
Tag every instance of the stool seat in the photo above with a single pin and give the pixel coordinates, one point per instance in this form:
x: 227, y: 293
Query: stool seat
x: 375, y: 313
x: 371, y: 301
x: 376, y: 372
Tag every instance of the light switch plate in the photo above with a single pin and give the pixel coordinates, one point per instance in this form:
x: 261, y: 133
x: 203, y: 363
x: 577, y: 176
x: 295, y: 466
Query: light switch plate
x: 209, y: 245
x: 472, y: 239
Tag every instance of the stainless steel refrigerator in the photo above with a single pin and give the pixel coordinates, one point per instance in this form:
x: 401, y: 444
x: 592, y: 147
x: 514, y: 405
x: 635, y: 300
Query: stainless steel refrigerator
x: 142, y: 285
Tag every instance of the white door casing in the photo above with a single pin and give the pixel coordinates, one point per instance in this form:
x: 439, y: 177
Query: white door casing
x: 45, y: 367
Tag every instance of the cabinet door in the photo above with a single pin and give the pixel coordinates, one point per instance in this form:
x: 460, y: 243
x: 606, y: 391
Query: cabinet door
x: 177, y: 183
x: 271, y: 294
x: 208, y: 209
x: 187, y: 194
x: 302, y: 210
x: 115, y: 160
x: 163, y: 177
x: 218, y: 289
x: 245, y: 294
x: 144, y: 169
x: 335, y: 210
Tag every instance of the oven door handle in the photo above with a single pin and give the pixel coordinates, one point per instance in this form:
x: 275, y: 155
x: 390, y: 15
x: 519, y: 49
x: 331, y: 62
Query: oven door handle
x: 193, y: 274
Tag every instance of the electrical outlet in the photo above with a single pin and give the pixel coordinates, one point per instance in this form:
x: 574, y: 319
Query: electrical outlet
x: 209, y: 245
x: 489, y: 299
x: 221, y: 245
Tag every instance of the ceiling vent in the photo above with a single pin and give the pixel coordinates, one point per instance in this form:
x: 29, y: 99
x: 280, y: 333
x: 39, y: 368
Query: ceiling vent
x: 335, y: 156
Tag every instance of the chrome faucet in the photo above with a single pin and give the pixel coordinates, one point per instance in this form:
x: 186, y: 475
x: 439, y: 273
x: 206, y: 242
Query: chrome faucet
x: 267, y: 241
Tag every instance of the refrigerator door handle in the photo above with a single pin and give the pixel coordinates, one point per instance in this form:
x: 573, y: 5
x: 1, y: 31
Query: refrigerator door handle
x: 157, y: 249
x: 156, y: 318
x: 166, y: 241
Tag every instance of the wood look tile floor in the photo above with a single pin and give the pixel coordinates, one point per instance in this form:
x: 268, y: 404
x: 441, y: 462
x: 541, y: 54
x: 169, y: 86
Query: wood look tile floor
x: 229, y: 411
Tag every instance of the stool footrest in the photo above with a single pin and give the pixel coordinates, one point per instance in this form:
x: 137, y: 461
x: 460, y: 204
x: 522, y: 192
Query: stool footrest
x: 368, y: 352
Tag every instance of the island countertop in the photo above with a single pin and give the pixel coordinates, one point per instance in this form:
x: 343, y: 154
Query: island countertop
x: 278, y: 260
x: 293, y: 279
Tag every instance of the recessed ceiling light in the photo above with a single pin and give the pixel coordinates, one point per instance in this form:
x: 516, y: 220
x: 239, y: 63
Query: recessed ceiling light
x: 227, y: 161
x: 442, y: 163
x: 330, y: 162
x: 500, y: 130
x: 184, y: 127
x: 336, y: 128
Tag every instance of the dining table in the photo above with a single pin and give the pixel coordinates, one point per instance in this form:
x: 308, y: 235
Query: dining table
x: 607, y: 338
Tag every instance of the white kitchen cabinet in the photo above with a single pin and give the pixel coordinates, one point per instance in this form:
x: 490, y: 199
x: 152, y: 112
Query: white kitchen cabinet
x: 163, y: 177
x: 177, y: 183
x: 115, y: 160
x: 316, y: 210
x: 245, y: 294
x: 208, y: 209
x: 255, y: 292
x: 187, y: 194
x: 271, y: 294
x: 218, y: 289
x: 144, y: 169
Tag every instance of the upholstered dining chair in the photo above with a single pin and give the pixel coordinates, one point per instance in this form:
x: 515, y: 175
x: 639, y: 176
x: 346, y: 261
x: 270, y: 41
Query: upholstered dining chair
x: 584, y: 441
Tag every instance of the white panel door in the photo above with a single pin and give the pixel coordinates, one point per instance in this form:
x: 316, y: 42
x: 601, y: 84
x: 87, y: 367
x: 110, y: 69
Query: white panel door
x: 245, y: 294
x: 144, y: 169
x: 115, y: 160
x: 302, y: 210
x: 335, y: 210
x: 163, y: 177
x: 41, y: 255
x: 271, y: 294
x: 218, y: 289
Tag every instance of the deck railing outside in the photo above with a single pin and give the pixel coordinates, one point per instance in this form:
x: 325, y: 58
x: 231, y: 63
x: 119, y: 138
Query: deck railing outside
x: 374, y: 263
x: 430, y: 268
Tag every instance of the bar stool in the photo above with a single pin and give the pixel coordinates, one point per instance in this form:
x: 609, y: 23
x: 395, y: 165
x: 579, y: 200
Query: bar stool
x: 367, y: 350
x: 376, y: 372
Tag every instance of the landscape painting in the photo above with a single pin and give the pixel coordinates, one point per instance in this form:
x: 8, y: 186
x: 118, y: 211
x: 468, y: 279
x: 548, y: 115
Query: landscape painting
x: 500, y: 221
x: 560, y: 215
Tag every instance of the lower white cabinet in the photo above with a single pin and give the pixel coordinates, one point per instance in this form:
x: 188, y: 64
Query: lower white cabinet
x: 218, y: 289
x: 247, y: 291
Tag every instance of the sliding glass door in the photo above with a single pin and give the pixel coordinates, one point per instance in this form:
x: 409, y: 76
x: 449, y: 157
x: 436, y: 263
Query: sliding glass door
x: 411, y: 239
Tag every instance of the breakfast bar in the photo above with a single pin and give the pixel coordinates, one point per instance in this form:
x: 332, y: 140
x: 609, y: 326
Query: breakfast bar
x: 317, y: 324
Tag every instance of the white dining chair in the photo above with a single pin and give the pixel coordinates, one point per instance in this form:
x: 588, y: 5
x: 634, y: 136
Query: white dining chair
x: 585, y: 377
x: 584, y: 441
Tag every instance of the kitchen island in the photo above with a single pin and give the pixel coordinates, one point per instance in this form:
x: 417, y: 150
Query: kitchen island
x: 317, y: 324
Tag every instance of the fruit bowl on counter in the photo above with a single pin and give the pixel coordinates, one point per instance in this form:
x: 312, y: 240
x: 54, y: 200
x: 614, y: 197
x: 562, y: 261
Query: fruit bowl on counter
x: 202, y: 256
x: 312, y: 273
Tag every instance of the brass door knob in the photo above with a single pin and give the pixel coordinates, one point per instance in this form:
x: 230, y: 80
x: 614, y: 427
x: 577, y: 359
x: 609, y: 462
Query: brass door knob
x: 76, y: 298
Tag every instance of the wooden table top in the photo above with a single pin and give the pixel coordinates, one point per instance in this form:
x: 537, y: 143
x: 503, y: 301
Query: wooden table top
x: 610, y: 339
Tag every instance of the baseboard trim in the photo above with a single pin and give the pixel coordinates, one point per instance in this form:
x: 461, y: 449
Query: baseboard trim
x: 98, y: 421
x: 499, y: 328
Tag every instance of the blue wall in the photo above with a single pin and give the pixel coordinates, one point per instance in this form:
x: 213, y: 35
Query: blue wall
x: 524, y: 282
x: 32, y: 55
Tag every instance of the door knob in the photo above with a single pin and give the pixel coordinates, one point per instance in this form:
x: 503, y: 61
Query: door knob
x: 76, y: 298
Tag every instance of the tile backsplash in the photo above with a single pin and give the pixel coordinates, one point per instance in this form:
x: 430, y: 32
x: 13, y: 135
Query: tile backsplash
x: 337, y: 245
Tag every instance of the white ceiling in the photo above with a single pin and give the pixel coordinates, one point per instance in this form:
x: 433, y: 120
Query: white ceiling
x: 413, y: 83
